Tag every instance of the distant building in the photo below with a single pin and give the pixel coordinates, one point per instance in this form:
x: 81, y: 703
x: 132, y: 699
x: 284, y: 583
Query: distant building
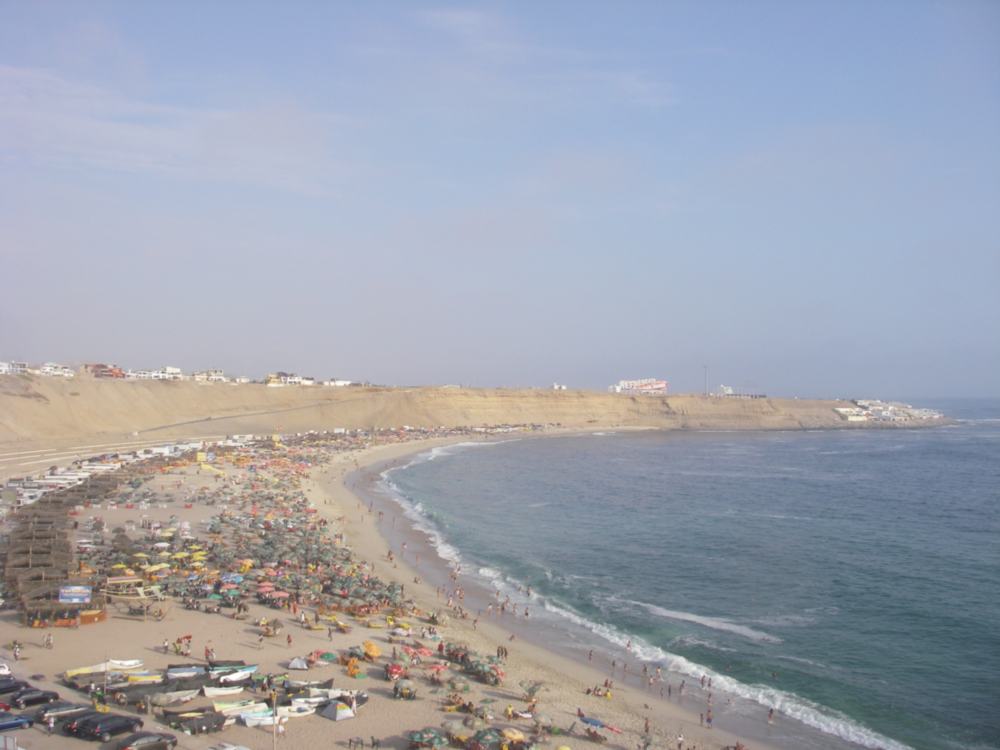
x: 18, y: 368
x: 276, y: 379
x: 55, y: 370
x: 333, y: 383
x: 728, y: 391
x: 209, y: 376
x: 558, y: 387
x: 168, y: 373
x: 4, y: 368
x: 241, y: 380
x: 642, y: 387
x: 101, y: 370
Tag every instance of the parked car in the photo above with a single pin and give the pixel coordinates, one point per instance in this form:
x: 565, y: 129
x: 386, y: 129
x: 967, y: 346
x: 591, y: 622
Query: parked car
x: 32, y: 697
x: 4, y: 706
x: 147, y: 741
x: 10, y: 685
x: 61, y: 710
x: 73, y: 723
x: 107, y: 726
x: 12, y: 721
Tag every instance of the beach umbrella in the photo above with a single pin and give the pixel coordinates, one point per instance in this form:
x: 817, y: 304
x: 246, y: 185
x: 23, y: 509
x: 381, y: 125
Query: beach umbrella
x: 514, y: 735
x: 488, y: 737
x: 140, y: 554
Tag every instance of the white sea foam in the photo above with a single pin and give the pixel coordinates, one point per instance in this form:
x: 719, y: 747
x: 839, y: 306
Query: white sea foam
x: 690, y: 640
x: 785, y: 621
x: 414, y: 511
x: 801, y: 709
x: 714, y: 623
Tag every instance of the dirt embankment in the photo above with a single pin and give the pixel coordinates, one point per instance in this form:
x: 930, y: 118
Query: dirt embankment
x: 36, y: 409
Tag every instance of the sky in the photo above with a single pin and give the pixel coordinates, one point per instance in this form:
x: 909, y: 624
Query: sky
x: 803, y: 197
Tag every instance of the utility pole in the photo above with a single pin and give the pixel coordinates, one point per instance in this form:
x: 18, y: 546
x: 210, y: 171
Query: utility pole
x: 706, y: 379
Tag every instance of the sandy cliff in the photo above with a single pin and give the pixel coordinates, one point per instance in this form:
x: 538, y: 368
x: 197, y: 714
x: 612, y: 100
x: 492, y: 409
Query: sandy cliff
x: 37, y: 409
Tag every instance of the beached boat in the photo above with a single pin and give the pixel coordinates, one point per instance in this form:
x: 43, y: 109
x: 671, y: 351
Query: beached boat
x: 112, y: 665
x: 187, y: 670
x: 241, y: 707
x: 299, y: 684
x: 144, y: 678
x: 169, y: 699
x: 261, y: 720
x: 244, y: 673
x: 295, y: 710
x: 214, y: 692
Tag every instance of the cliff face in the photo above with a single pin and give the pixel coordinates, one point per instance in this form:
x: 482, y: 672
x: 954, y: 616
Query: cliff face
x: 38, y: 409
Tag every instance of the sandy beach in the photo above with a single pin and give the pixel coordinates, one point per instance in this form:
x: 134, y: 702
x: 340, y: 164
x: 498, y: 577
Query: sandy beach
x: 371, y: 535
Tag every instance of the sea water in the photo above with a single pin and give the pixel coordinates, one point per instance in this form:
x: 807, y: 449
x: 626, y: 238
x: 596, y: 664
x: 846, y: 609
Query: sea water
x: 849, y: 579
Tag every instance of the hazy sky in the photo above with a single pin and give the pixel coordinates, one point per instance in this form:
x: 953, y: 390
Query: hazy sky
x: 804, y: 196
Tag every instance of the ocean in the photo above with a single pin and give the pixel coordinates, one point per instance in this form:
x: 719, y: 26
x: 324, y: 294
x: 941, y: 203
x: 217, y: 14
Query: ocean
x: 849, y: 579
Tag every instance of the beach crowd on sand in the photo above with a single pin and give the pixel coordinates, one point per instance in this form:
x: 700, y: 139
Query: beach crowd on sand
x: 247, y: 596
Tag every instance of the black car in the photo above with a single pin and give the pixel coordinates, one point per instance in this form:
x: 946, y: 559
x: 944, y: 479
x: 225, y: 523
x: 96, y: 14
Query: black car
x: 30, y: 696
x: 60, y: 710
x: 107, y: 726
x: 147, y: 741
x: 10, y: 685
x: 73, y: 723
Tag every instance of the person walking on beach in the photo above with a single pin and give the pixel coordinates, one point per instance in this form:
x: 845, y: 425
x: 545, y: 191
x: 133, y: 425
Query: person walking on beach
x: 288, y: 640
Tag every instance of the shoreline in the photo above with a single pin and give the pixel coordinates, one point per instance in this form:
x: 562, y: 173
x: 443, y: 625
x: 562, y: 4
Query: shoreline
x: 341, y: 489
x: 361, y: 502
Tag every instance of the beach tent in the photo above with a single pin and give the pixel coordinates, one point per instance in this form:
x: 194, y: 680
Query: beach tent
x: 298, y: 663
x: 337, y: 711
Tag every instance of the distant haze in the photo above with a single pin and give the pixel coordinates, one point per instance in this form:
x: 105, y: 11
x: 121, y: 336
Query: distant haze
x: 805, y: 197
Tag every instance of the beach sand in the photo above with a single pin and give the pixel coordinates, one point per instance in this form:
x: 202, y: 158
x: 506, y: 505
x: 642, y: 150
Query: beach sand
x: 383, y: 718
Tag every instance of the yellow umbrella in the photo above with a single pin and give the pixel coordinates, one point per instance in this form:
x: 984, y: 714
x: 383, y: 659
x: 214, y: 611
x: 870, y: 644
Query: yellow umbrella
x: 197, y: 564
x: 140, y: 554
x: 514, y: 735
x: 118, y: 565
x: 181, y: 555
x: 163, y: 554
